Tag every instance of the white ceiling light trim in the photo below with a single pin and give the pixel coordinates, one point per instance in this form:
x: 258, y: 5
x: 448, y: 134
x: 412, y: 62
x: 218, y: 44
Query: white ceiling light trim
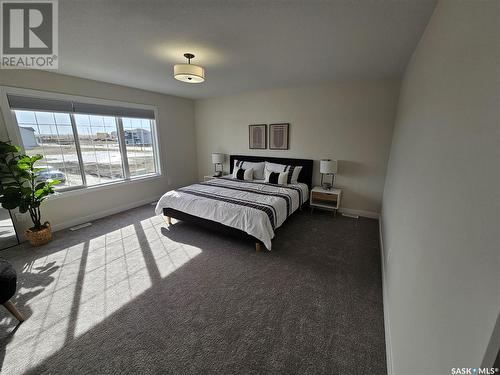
x: 189, y: 73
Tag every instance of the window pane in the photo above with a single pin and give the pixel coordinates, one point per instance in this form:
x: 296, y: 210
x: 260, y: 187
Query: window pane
x: 25, y: 117
x: 139, y: 143
x: 45, y: 118
x: 41, y: 135
x: 62, y: 119
x: 100, y: 148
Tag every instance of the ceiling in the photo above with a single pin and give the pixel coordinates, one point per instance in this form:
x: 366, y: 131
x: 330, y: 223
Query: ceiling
x: 243, y: 44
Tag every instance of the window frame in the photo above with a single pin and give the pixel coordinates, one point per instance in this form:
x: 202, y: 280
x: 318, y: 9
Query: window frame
x: 14, y: 134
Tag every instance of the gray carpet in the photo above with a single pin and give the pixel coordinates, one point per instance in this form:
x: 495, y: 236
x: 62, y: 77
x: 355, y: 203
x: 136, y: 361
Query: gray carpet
x: 130, y: 295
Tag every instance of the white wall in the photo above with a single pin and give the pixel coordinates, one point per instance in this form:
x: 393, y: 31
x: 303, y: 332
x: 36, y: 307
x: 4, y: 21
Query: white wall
x: 176, y: 138
x: 351, y: 122
x: 441, y: 203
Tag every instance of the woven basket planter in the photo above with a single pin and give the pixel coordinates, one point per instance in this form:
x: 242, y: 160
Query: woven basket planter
x: 40, y: 237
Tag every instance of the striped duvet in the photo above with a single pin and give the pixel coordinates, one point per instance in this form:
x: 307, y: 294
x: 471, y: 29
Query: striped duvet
x: 254, y: 207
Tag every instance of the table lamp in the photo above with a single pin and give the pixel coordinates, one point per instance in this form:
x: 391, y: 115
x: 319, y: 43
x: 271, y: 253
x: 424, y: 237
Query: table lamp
x: 328, y: 167
x: 217, y: 159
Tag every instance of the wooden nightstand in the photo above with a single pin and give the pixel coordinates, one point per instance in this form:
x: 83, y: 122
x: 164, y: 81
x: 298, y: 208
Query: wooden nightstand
x: 326, y: 199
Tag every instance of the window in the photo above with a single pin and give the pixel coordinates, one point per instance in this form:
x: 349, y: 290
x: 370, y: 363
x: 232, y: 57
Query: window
x: 100, y: 148
x: 51, y: 135
x: 85, y: 144
x: 139, y: 144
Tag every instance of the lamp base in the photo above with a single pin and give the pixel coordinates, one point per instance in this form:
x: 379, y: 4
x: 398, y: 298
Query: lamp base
x: 327, y: 185
x: 218, y: 173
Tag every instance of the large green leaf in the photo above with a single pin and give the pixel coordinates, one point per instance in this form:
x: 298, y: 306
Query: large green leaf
x: 12, y: 191
x: 26, y: 191
x: 53, y: 182
x: 24, y: 166
x: 17, y: 173
x: 8, y: 148
x: 35, y: 158
x: 41, y: 192
x: 9, y: 205
x: 23, y: 174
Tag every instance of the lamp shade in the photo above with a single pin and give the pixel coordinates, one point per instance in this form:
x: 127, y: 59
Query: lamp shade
x: 328, y: 166
x: 217, y: 158
x: 189, y: 73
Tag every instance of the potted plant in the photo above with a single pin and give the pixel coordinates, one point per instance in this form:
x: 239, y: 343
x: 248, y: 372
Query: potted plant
x: 22, y: 187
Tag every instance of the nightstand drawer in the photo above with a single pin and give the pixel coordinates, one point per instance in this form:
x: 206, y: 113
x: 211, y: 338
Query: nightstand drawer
x: 317, y: 196
x: 325, y: 199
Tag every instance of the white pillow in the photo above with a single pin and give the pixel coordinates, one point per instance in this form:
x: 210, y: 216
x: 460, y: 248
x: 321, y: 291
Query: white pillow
x: 282, y: 177
x: 247, y: 174
x: 292, y: 177
x: 258, y: 168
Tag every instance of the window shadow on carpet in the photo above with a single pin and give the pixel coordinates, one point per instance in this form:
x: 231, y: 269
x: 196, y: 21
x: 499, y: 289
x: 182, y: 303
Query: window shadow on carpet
x: 130, y: 295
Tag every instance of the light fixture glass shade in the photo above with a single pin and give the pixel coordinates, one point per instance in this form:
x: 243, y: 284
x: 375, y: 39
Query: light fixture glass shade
x: 328, y: 166
x: 189, y: 73
x: 217, y: 158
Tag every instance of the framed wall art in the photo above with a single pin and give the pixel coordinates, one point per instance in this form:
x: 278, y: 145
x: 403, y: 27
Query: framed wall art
x: 278, y: 136
x: 257, y: 136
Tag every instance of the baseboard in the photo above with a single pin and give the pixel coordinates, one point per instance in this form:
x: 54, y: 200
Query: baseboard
x: 385, y: 299
x: 101, y: 214
x: 369, y: 214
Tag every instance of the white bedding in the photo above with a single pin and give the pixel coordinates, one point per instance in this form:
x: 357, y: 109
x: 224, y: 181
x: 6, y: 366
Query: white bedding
x: 254, y: 207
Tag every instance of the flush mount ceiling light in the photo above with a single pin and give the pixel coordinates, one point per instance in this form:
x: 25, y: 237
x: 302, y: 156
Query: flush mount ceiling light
x: 189, y: 73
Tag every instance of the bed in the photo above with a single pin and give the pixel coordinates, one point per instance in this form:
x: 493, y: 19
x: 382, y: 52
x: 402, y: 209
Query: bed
x: 254, y: 210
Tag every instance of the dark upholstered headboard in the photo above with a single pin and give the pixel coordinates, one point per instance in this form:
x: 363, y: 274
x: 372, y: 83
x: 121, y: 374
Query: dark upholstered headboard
x: 305, y: 175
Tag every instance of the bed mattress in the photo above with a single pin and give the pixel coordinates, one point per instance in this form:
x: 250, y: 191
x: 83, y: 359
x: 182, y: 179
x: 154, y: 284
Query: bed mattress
x: 255, y: 207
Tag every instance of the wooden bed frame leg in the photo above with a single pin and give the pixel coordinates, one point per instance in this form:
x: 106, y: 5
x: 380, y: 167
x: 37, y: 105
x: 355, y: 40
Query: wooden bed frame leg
x: 258, y: 247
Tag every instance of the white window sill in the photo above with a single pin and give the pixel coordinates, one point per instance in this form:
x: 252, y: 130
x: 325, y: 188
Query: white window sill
x: 90, y: 189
